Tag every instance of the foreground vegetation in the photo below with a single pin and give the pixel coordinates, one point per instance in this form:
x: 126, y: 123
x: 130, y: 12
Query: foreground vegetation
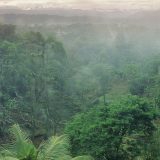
x: 21, y: 148
x: 109, y: 107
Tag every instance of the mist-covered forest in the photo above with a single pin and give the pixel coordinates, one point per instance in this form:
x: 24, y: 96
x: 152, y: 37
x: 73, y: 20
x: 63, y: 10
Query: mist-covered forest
x: 80, y: 86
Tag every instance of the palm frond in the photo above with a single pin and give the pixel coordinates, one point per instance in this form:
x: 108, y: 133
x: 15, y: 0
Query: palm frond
x: 21, y: 147
x: 8, y: 158
x: 83, y: 158
x: 54, y: 148
x: 67, y: 157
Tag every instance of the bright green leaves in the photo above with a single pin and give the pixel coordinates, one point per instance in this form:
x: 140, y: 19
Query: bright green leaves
x: 116, y: 131
x: 21, y: 147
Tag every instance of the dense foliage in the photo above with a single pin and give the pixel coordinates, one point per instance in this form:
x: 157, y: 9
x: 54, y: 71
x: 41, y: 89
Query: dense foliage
x: 119, y: 130
x: 33, y: 77
x: 42, y: 86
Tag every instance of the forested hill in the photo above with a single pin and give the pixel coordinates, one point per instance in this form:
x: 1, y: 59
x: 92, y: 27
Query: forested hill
x: 34, y: 76
x: 105, y: 98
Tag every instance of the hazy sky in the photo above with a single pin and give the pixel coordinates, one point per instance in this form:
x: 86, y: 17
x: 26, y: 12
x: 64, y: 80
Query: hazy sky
x: 85, y: 4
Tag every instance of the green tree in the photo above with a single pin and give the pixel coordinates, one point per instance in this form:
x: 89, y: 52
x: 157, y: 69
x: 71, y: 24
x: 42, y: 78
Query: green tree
x: 117, y: 131
x: 7, y: 32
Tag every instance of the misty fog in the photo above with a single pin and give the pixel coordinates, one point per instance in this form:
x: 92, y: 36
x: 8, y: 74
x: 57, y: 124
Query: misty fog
x: 79, y: 82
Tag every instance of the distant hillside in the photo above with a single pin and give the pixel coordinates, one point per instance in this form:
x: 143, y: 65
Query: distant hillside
x: 63, y: 16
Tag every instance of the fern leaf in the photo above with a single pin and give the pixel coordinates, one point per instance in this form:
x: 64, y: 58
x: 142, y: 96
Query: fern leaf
x: 54, y: 148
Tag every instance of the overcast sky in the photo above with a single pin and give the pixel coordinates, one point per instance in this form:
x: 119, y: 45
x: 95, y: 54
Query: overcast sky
x: 85, y: 4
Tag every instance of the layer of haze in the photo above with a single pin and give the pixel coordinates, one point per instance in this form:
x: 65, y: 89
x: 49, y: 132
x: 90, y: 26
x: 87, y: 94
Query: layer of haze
x: 84, y: 4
